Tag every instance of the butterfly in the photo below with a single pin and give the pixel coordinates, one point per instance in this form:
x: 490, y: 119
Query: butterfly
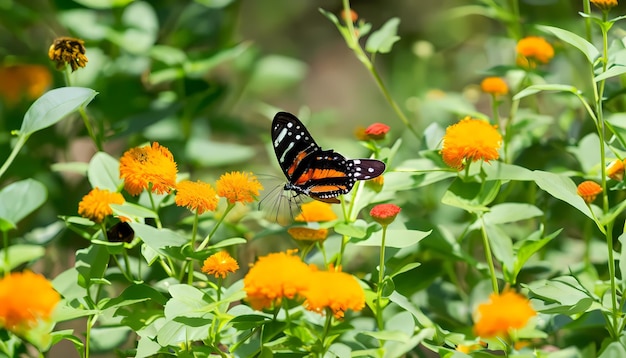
x: 311, y: 171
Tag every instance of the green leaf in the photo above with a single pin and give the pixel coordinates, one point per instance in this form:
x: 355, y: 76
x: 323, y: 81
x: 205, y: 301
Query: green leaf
x: 108, y: 338
x: 358, y: 229
x: 562, y: 295
x: 213, y: 154
x: 616, y: 70
x: 531, y: 90
x: 472, y: 197
x: 588, y: 49
x: 406, y: 268
x: 614, y: 349
x: 134, y: 294
x: 53, y: 106
x: 20, y: 254
x: 527, y: 249
x: 511, y: 212
x: 562, y: 188
x: 103, y: 4
x: 398, y: 238
x: 502, y: 171
x: 104, y: 172
x: 383, y: 39
x: 132, y: 211
x: 501, y: 244
x: 18, y: 200
x: 91, y: 263
x: 157, y: 239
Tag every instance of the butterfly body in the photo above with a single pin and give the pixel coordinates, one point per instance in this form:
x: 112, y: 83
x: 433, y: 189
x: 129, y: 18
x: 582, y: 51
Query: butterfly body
x: 320, y: 174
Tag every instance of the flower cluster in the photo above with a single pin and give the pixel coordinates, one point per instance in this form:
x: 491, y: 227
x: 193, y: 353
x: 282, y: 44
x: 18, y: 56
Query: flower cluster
x: 25, y: 298
x: 196, y: 196
x: 533, y: 49
x: 238, y: 187
x: 283, y: 275
x: 150, y: 167
x: 494, y: 86
x: 95, y: 205
x: 501, y: 314
x: 220, y: 265
x: 470, y: 140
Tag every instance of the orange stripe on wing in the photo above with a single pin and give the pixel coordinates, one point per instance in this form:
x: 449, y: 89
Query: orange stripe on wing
x: 296, y: 162
x: 326, y: 188
x: 313, y: 174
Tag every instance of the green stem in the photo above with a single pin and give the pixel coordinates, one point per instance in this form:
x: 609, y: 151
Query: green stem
x: 89, y: 128
x: 489, y: 257
x: 91, y: 320
x: 587, y: 11
x: 21, y: 140
x: 5, y: 242
x: 189, y: 264
x: 515, y: 28
x: 379, y: 286
x: 328, y: 324
x: 154, y: 208
x: 353, y: 43
x: 208, y: 237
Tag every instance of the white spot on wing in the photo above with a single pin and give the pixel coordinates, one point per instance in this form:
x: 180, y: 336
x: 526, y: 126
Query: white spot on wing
x: 280, y: 137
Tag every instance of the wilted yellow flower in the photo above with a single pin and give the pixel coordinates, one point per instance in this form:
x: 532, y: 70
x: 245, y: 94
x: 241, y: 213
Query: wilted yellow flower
x: 470, y: 140
x: 196, y: 196
x: 25, y: 298
x: 95, y: 205
x: 238, y: 187
x: 535, y: 48
x: 494, y: 85
x: 142, y: 166
x: 68, y: 50
x: 220, y: 264
x: 274, y: 277
x: 333, y: 289
x: 588, y: 190
x: 501, y: 314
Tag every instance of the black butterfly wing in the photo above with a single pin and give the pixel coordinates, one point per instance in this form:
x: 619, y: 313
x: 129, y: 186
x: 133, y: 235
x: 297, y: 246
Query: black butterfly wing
x: 292, y: 143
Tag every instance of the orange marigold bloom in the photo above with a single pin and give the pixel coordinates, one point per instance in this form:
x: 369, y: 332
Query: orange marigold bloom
x: 274, y: 277
x: 615, y: 170
x: 219, y: 265
x: 238, y: 187
x: 68, y: 50
x: 23, y: 81
x: 196, y: 196
x: 470, y: 140
x: 535, y: 48
x: 604, y: 4
x: 95, y: 205
x: 385, y: 214
x: 316, y: 211
x: 142, y: 166
x: 25, y: 298
x: 494, y: 85
x: 308, y: 234
x: 502, y: 313
x: 336, y: 290
x: 588, y: 190
x: 377, y: 131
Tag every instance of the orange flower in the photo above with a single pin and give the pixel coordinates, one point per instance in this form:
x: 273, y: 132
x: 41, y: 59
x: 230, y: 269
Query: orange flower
x: 238, y: 187
x: 25, y: 298
x: 220, y: 264
x: 376, y: 184
x: 274, y: 277
x: 68, y: 50
x: 196, y: 196
x: 502, y: 313
x: 336, y: 290
x: 615, y: 170
x: 494, y: 85
x: 588, y: 190
x: 95, y: 205
x: 377, y: 131
x: 350, y: 15
x: 316, y: 211
x: 385, y: 214
x: 470, y: 140
x: 605, y: 5
x: 308, y: 234
x: 142, y: 166
x: 23, y: 81
x: 535, y: 48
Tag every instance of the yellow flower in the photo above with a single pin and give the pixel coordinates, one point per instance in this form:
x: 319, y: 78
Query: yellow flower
x: 316, y: 211
x: 238, y: 187
x: 308, y: 234
x: 502, y: 313
x: 68, y: 50
x: 220, y: 264
x: 604, y: 4
x: 588, y: 190
x: 336, y: 290
x: 470, y: 140
x: 615, y: 170
x: 142, y: 166
x: 25, y: 298
x: 376, y: 184
x: 535, y: 48
x: 23, y: 81
x: 274, y: 277
x: 95, y: 205
x: 196, y: 196
x: 494, y: 85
